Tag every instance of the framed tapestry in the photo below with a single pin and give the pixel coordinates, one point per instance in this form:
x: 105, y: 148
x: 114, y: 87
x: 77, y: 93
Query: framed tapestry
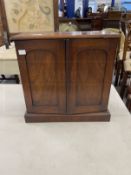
x: 30, y: 15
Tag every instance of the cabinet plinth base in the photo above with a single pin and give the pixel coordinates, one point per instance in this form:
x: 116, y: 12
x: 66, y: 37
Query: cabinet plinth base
x: 91, y: 117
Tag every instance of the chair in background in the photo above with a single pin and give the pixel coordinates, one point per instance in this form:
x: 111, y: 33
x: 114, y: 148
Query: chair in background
x: 124, y: 52
x: 119, y: 57
x: 126, y: 61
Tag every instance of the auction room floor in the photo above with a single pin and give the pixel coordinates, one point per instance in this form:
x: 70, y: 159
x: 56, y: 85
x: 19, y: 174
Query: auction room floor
x: 62, y: 148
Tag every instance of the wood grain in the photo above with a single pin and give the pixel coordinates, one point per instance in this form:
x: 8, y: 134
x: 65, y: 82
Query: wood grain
x: 45, y: 75
x: 65, y: 35
x: 67, y: 77
x: 89, y: 80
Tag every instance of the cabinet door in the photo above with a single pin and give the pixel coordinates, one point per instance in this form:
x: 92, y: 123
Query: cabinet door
x: 43, y: 75
x: 90, y: 67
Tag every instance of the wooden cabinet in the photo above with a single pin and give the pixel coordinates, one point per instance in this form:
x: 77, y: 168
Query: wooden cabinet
x: 66, y: 77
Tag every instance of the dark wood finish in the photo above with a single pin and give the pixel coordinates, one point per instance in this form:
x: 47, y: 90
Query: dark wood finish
x: 67, y: 77
x: 111, y: 23
x: 112, y: 19
x: 5, y: 29
x: 91, y: 66
x: 89, y: 117
x: 4, y: 17
x: 114, y: 15
x: 56, y: 20
x: 96, y: 21
x: 66, y: 35
x: 85, y: 24
x: 44, y: 66
x: 128, y: 102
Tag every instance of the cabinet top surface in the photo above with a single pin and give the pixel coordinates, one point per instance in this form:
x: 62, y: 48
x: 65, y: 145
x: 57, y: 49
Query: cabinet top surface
x: 65, y: 35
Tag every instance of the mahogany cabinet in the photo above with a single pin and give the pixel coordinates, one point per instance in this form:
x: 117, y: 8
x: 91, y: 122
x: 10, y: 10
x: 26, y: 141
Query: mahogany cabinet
x: 66, y: 76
